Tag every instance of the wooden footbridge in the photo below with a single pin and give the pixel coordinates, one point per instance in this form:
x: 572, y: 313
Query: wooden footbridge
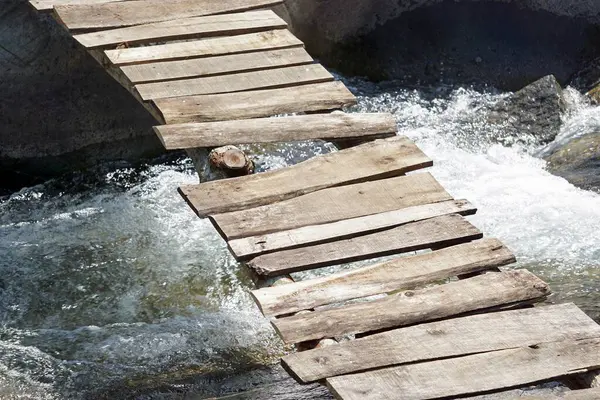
x: 441, y: 322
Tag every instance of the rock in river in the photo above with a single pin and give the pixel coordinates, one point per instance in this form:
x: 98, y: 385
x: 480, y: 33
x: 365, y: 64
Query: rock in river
x: 578, y: 161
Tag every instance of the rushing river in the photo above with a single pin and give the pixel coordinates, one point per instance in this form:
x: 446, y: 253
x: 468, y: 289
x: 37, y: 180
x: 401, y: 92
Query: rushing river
x: 110, y: 287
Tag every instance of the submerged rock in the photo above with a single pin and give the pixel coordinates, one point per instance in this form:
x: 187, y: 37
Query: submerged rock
x: 534, y: 110
x: 578, y: 161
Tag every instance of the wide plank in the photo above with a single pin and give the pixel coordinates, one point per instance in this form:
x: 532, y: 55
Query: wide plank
x: 399, y: 274
x: 218, y: 65
x: 253, y: 246
x: 255, y: 103
x: 436, y: 232
x: 122, y: 14
x: 494, y: 289
x: 355, y: 201
x: 449, y: 338
x: 282, y: 129
x: 239, y: 82
x: 48, y: 5
x: 195, y: 27
x: 208, y: 47
x: 471, y: 374
x: 380, y: 159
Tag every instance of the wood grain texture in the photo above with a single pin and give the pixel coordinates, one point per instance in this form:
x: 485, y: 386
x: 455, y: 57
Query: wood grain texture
x: 196, y: 27
x: 48, y: 5
x: 471, y: 374
x: 449, y: 338
x: 239, y: 82
x: 482, y: 292
x: 361, y: 199
x: 382, y: 158
x: 127, y: 13
x: 208, y: 47
x: 253, y: 246
x: 255, y: 103
x: 436, y: 232
x: 282, y: 129
x: 400, y: 274
x: 217, y: 65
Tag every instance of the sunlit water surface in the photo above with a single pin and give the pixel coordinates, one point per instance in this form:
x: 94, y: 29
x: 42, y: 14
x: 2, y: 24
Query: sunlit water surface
x: 110, y: 287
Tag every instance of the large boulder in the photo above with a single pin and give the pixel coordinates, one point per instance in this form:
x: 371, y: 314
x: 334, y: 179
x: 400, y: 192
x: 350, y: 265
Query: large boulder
x: 59, y: 110
x: 533, y: 112
x: 578, y: 161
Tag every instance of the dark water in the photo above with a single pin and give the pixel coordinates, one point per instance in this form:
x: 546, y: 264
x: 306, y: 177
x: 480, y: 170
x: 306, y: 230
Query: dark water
x: 110, y: 287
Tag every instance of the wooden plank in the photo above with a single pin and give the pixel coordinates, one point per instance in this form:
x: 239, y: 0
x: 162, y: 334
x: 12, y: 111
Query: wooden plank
x: 48, y: 5
x: 128, y: 13
x: 449, y: 338
x: 283, y: 129
x: 218, y: 65
x: 253, y: 246
x: 436, y: 232
x: 265, y: 79
x: 361, y: 199
x: 399, y: 274
x: 208, y: 47
x: 494, y: 289
x: 195, y: 27
x: 472, y: 374
x: 255, y: 104
x: 380, y: 159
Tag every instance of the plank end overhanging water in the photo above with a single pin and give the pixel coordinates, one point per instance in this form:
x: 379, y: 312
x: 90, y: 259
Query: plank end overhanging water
x: 213, y: 73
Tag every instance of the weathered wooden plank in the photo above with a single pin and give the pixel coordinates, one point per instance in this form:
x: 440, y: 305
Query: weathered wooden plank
x: 195, y: 27
x: 48, y: 5
x: 254, y: 104
x: 449, y: 338
x: 375, y: 160
x: 208, y: 47
x: 128, y: 13
x: 436, y: 232
x: 283, y: 129
x: 399, y: 274
x: 316, y: 208
x: 246, y: 248
x: 494, y: 289
x: 470, y: 374
x: 239, y: 82
x: 218, y: 65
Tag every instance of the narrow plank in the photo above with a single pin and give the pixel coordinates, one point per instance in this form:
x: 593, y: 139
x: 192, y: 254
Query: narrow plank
x: 128, y: 13
x: 436, y: 232
x: 380, y: 159
x: 494, y: 289
x: 255, y: 104
x: 472, y: 374
x: 361, y: 199
x: 195, y: 27
x: 48, y: 5
x: 253, y: 246
x: 196, y: 67
x: 208, y: 47
x: 265, y: 79
x: 449, y: 338
x: 400, y: 274
x: 283, y: 129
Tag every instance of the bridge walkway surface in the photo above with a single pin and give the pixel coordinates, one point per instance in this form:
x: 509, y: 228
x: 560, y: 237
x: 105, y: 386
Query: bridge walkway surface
x: 440, y: 317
